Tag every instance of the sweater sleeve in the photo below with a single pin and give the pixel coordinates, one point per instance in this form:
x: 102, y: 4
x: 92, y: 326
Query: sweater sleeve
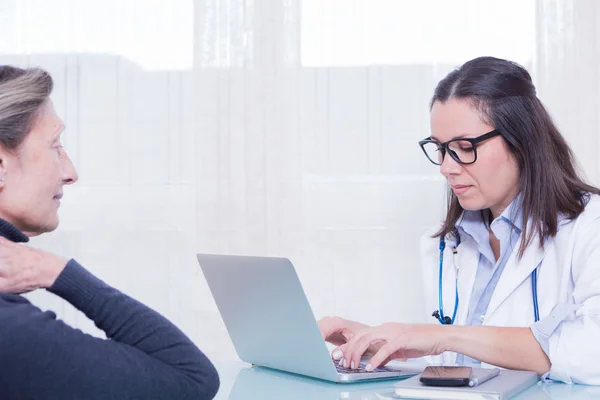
x: 144, y: 355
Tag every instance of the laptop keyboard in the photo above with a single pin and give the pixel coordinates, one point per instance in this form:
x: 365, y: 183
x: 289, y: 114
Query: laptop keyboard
x: 361, y: 369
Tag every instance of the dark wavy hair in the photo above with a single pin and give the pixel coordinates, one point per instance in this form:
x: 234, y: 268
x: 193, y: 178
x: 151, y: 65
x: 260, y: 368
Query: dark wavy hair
x: 503, y: 93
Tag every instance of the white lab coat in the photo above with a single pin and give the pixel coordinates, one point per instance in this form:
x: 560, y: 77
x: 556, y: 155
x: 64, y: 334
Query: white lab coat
x: 568, y: 276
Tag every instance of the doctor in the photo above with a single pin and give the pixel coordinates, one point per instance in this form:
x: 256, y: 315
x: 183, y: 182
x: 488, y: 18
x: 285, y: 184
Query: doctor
x: 513, y: 274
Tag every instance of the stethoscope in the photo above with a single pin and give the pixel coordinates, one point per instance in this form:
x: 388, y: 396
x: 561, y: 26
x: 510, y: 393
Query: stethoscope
x: 446, y: 320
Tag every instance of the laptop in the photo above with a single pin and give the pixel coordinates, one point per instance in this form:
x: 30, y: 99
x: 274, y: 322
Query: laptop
x: 270, y: 322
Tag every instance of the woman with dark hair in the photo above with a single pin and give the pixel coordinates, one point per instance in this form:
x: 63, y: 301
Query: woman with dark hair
x: 522, y: 225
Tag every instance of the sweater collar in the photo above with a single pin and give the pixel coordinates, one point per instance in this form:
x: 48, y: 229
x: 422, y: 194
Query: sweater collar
x: 10, y: 232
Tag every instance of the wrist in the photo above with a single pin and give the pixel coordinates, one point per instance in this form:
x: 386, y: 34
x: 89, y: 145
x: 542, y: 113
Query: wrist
x: 52, y: 267
x: 451, y: 337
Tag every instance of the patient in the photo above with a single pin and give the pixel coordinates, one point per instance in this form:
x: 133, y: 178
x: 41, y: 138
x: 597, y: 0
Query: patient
x: 145, y: 356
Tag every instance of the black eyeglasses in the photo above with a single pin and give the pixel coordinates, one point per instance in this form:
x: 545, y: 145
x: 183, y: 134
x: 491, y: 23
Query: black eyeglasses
x: 463, y: 151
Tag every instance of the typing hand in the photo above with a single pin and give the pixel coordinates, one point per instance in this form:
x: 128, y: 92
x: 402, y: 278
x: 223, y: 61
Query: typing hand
x: 339, y: 331
x: 394, y: 341
x: 23, y: 269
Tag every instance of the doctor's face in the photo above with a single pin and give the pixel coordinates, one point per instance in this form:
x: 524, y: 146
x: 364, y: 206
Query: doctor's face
x: 492, y: 180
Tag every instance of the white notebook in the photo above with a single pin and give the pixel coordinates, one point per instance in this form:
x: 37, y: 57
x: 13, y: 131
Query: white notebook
x: 504, y: 386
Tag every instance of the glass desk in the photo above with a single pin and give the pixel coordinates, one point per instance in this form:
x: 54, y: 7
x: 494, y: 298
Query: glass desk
x: 242, y: 381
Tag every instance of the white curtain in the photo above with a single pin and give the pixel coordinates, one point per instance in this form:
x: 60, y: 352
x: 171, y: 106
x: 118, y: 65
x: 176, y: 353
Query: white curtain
x: 568, y: 74
x: 283, y: 128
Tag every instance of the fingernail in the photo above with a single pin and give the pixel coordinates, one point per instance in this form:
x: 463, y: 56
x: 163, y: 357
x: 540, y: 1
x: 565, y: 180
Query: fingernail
x: 352, y: 364
x: 337, y: 354
x: 369, y: 367
x: 345, y: 363
x: 341, y: 362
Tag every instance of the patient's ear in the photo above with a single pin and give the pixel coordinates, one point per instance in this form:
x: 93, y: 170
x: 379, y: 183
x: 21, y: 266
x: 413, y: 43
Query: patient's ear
x: 2, y: 169
x: 4, y: 161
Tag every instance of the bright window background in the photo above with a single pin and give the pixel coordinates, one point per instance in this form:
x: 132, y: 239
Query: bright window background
x: 142, y: 31
x: 391, y: 32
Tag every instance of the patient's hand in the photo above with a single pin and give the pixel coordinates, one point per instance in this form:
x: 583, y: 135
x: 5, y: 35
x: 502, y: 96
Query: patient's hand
x: 23, y: 269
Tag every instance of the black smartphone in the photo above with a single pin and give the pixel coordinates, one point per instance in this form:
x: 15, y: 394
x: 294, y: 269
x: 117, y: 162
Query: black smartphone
x: 446, y: 376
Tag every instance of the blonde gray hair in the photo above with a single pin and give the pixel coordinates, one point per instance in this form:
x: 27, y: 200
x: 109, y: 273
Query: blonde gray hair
x: 22, y: 93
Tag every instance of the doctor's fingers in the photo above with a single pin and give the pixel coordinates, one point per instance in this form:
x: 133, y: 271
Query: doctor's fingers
x: 338, y: 353
x: 335, y: 330
x: 360, y: 344
x: 386, y: 353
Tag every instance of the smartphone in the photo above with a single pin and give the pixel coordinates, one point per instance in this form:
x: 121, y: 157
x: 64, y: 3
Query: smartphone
x: 446, y: 376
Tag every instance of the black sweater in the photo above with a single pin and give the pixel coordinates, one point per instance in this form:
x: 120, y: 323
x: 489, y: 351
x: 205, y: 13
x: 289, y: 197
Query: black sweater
x: 144, y: 357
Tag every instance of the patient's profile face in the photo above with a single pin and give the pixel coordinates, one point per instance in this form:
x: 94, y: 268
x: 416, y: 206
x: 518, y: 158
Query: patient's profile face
x: 34, y: 176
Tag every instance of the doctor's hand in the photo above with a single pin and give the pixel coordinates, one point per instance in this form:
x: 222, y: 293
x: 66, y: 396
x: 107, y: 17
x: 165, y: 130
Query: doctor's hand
x: 395, y: 341
x: 339, y: 331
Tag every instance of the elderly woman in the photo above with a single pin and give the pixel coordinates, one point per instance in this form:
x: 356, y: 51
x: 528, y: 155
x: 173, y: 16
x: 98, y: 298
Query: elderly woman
x: 145, y: 356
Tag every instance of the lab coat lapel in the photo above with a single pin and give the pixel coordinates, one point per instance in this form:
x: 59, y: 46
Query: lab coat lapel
x: 515, y: 272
